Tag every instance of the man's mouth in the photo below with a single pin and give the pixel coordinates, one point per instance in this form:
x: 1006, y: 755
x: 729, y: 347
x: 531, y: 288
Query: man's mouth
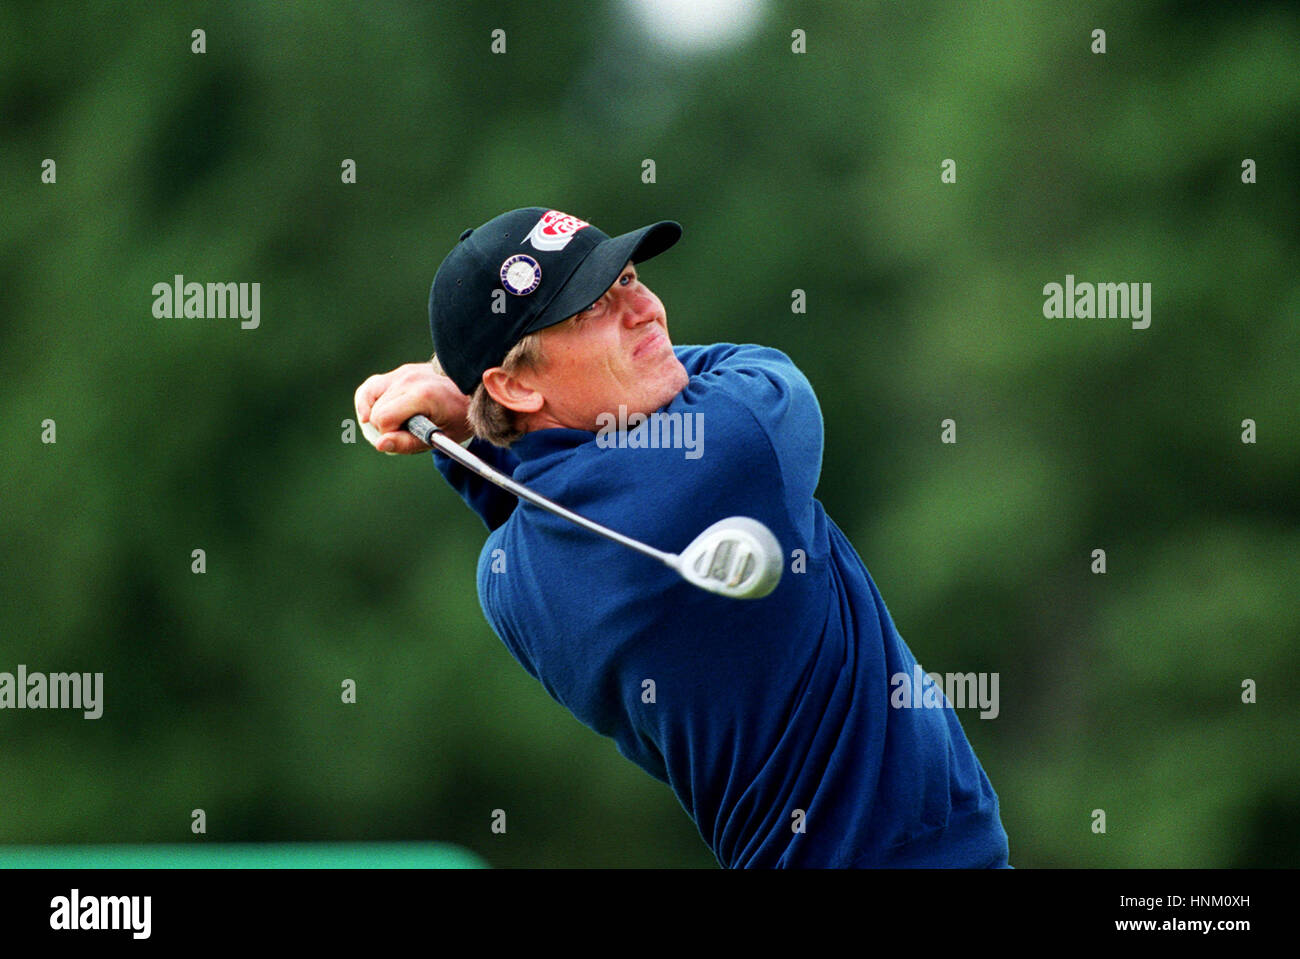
x: 651, y: 341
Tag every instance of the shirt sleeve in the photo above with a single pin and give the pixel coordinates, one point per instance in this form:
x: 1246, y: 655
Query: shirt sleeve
x: 769, y: 402
x: 493, y: 504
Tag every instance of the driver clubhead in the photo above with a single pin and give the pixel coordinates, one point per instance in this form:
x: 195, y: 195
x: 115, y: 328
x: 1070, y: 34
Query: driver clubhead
x: 736, y: 557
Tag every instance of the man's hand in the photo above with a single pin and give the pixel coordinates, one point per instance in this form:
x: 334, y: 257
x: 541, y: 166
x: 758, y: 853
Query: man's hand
x: 387, y: 400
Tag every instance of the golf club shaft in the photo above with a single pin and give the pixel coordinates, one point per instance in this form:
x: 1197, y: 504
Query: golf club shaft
x: 424, y: 429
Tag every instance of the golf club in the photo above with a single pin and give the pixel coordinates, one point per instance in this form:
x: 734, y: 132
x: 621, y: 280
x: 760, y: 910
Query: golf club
x: 736, y: 557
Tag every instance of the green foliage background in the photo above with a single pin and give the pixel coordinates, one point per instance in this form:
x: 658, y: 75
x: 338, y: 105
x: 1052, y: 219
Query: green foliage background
x: 820, y: 171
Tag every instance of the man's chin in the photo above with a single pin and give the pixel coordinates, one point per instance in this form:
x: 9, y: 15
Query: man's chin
x: 676, y: 381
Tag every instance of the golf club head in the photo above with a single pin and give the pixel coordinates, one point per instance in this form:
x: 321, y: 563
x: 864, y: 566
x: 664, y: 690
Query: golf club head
x: 737, y: 557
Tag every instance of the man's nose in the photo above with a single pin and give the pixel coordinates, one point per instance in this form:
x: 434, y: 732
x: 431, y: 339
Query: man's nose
x: 637, y: 308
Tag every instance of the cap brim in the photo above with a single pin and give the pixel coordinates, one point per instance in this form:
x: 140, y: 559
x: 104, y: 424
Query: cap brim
x: 602, y: 267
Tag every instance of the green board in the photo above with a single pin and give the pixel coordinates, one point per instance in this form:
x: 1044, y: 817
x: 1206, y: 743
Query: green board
x: 304, y: 855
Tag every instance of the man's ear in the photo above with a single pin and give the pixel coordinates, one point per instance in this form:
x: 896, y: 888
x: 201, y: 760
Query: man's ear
x: 511, y: 392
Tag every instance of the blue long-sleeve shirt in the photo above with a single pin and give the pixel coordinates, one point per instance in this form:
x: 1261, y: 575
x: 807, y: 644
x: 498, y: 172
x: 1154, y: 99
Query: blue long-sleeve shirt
x: 770, y: 719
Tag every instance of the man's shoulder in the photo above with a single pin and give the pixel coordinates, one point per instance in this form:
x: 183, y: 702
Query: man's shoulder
x: 749, y: 379
x: 704, y: 358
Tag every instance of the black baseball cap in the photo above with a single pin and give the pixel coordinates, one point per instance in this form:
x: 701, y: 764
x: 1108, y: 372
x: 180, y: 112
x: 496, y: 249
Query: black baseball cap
x: 521, y: 272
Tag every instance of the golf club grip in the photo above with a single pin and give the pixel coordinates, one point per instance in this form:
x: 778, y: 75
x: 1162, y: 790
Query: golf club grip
x: 430, y: 434
x: 422, y: 428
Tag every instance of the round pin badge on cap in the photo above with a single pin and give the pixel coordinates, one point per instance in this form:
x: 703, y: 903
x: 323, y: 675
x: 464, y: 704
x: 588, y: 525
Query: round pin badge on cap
x: 521, y: 274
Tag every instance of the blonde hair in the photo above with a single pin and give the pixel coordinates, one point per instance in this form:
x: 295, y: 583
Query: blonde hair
x: 488, y: 419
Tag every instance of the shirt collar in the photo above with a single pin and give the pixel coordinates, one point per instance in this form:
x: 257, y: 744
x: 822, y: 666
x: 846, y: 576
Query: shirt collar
x: 542, y: 443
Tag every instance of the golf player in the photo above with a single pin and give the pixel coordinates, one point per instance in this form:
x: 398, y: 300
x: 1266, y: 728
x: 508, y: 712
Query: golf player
x: 777, y: 722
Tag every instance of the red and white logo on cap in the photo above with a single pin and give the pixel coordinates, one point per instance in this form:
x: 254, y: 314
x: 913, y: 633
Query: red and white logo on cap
x: 554, y: 230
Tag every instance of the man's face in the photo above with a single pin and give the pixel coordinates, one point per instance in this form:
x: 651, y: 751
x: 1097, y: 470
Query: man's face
x: 616, y: 352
